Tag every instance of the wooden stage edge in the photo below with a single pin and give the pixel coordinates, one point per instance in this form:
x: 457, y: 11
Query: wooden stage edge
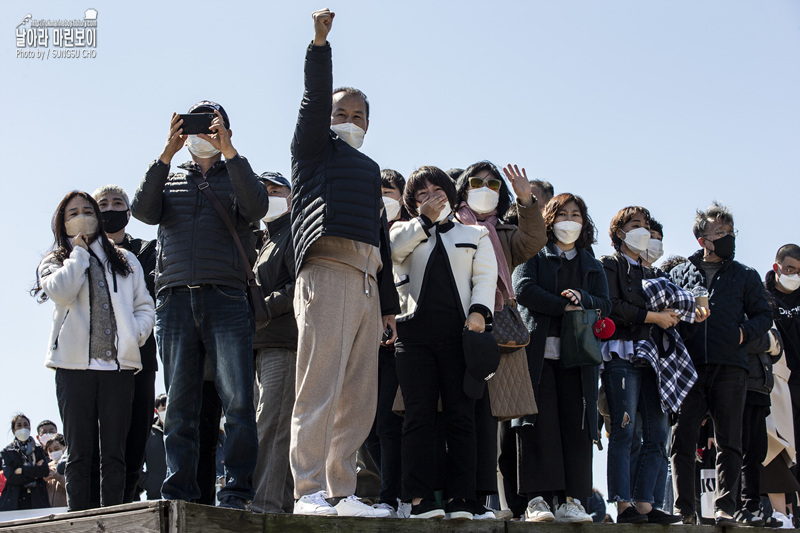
x: 181, y: 517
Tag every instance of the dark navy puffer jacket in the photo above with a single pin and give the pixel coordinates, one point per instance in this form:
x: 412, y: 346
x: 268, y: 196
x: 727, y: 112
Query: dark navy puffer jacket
x: 737, y: 299
x: 336, y: 189
x: 194, y: 245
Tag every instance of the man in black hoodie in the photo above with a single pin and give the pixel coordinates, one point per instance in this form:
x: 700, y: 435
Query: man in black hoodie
x: 782, y: 283
x: 739, y: 314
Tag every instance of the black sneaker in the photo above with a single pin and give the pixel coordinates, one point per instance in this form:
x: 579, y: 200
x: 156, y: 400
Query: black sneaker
x: 689, y: 519
x: 725, y: 520
x: 480, y: 511
x: 631, y: 516
x: 746, y: 518
x: 458, y: 510
x: 427, y: 508
x: 657, y: 516
x: 234, y: 502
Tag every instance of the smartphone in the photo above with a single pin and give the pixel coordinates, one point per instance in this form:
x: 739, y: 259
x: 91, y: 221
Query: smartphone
x: 195, y: 123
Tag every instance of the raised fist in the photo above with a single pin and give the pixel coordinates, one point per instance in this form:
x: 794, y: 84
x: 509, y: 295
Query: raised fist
x: 323, y: 20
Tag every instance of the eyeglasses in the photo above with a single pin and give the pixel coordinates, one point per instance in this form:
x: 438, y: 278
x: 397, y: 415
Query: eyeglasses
x: 788, y: 271
x: 476, y: 183
x: 720, y: 233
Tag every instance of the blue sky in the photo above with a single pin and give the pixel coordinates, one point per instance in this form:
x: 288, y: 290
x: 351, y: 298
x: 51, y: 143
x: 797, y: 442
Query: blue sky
x: 669, y: 105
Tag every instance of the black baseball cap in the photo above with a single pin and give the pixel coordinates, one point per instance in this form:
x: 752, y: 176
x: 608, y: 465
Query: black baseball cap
x: 482, y: 356
x: 207, y: 106
x: 276, y: 178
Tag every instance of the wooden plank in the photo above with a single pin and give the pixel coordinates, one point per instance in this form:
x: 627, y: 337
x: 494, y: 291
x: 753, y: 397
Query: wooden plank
x: 563, y: 527
x: 289, y: 523
x: 147, y: 520
x: 196, y: 517
x: 147, y: 506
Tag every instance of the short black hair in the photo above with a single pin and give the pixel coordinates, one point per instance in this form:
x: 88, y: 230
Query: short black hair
x: 418, y: 179
x: 716, y: 211
x: 547, y: 190
x: 393, y: 180
x: 161, y: 401
x: 656, y: 226
x: 352, y: 91
x: 462, y: 185
x: 45, y: 423
x: 671, y: 262
x: 788, y: 250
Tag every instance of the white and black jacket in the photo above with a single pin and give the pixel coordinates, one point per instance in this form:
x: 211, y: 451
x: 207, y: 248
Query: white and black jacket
x: 67, y: 284
x: 473, y: 263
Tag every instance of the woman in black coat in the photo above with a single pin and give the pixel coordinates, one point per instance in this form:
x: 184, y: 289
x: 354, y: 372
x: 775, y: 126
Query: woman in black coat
x: 25, y: 467
x: 555, y: 446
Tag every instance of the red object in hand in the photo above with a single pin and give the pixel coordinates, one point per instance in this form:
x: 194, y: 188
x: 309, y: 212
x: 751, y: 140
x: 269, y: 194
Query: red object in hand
x: 604, y: 328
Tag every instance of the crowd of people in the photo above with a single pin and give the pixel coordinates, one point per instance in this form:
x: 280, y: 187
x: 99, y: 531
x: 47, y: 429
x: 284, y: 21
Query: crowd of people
x: 390, y: 304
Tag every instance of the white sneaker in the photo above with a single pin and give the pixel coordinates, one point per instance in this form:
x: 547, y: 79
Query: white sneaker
x: 352, y: 506
x: 403, y: 509
x: 314, y: 504
x: 572, y: 511
x: 786, y: 521
x: 386, y: 507
x: 538, y: 511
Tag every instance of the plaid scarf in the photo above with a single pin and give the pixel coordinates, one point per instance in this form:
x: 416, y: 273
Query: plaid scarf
x: 664, y: 349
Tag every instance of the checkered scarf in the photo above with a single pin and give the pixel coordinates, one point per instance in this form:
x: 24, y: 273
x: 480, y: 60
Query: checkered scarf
x: 664, y: 349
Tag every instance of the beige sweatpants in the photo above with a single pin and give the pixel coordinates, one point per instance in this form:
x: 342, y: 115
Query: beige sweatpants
x: 337, y: 375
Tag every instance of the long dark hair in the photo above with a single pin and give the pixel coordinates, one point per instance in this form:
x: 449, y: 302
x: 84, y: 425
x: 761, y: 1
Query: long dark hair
x: 62, y: 245
x: 462, y: 185
x: 587, y: 236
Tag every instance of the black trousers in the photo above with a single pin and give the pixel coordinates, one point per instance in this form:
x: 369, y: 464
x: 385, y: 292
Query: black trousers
x: 720, y: 390
x: 210, y: 414
x: 426, y: 370
x: 754, y: 451
x: 486, y: 446
x: 507, y: 462
x: 91, y: 401
x: 142, y: 415
x: 555, y: 454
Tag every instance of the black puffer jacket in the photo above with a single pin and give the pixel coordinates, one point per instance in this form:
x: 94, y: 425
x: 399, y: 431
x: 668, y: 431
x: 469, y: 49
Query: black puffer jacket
x: 145, y: 252
x: 737, y: 299
x: 194, y: 245
x: 275, y: 275
x: 759, y: 377
x: 628, y: 304
x: 336, y: 189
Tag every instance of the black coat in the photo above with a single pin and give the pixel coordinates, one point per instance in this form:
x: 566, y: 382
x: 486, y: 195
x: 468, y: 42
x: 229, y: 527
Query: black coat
x: 194, y: 245
x: 336, y: 190
x: 274, y: 272
x: 16, y: 483
x: 535, y: 284
x: 759, y: 376
x: 737, y: 299
x: 145, y: 252
x: 628, y: 303
x: 786, y: 308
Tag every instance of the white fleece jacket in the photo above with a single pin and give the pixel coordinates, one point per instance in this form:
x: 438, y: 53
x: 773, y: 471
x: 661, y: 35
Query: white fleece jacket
x: 67, y: 285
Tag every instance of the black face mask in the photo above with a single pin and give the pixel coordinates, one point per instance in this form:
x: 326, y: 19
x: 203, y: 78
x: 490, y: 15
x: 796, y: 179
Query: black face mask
x: 114, y: 221
x: 725, y: 246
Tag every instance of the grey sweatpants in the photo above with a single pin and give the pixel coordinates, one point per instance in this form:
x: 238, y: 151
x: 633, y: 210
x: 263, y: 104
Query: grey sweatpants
x: 337, y: 375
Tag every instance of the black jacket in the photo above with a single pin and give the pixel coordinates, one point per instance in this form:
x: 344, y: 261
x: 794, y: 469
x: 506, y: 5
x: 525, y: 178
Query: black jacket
x: 275, y: 275
x: 628, y: 303
x: 737, y: 299
x: 194, y: 245
x: 535, y: 284
x: 786, y: 309
x: 336, y: 190
x: 32, y: 477
x: 759, y: 376
x: 145, y: 252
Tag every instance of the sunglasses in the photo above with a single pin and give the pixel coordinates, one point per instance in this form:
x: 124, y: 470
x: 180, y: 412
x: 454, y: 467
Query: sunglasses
x: 492, y: 183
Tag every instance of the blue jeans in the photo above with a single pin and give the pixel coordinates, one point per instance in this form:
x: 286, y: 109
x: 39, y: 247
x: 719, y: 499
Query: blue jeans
x: 211, y: 322
x: 630, y: 388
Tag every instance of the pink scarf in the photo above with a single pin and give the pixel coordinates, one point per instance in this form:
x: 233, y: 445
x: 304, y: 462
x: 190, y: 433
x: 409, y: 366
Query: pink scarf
x: 505, y: 290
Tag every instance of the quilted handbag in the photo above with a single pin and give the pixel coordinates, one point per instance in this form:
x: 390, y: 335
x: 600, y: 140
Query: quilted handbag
x: 579, y: 344
x: 508, y: 329
x: 510, y: 389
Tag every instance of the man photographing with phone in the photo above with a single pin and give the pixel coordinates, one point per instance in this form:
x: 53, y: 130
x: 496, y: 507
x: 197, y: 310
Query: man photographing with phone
x: 202, y: 307
x: 344, y: 296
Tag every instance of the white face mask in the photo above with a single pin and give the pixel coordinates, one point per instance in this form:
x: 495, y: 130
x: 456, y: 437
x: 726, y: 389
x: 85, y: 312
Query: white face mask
x: 637, y: 239
x: 200, y: 147
x: 350, y: 133
x: 444, y: 213
x: 55, y: 455
x: 277, y: 208
x: 790, y: 283
x: 22, y: 434
x: 86, y: 224
x: 483, y: 200
x: 655, y: 249
x: 160, y: 415
x: 44, y: 437
x: 567, y: 231
x: 392, y: 207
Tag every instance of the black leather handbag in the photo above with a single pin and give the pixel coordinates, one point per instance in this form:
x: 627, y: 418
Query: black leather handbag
x: 579, y: 345
x: 508, y: 329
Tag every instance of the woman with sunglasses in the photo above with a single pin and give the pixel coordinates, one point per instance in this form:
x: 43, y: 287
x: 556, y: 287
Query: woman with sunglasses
x: 483, y: 198
x: 445, y: 276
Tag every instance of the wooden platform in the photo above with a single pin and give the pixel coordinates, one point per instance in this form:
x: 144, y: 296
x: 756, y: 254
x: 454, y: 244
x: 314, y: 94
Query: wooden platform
x: 179, y: 517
